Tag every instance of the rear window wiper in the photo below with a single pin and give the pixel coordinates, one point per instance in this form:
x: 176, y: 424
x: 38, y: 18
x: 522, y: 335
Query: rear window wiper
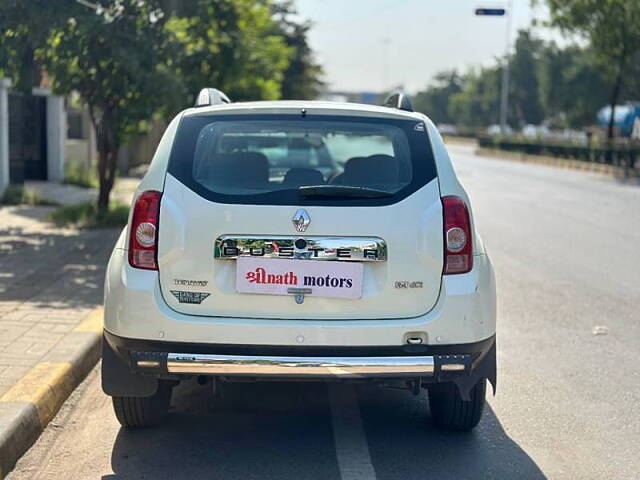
x: 336, y: 191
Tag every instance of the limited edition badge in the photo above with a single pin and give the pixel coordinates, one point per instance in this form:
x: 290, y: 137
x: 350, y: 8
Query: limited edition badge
x: 189, y: 297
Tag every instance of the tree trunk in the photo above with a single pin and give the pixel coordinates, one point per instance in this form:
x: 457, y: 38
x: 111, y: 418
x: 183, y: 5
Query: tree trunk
x: 103, y: 198
x: 615, y: 95
x: 107, y: 163
x: 108, y: 149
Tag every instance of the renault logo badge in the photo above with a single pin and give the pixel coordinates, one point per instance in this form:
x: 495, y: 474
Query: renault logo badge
x: 301, y: 220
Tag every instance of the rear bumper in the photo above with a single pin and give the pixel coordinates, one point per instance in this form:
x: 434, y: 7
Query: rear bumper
x: 130, y: 367
x: 301, y: 367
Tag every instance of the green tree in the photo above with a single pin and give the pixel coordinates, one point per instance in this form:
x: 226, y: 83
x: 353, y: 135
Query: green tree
x: 631, y: 88
x: 25, y: 26
x: 435, y: 100
x: 524, y: 101
x: 572, y: 86
x: 131, y: 59
x: 302, y: 79
x: 563, y: 86
x: 478, y: 104
x: 114, y: 57
x: 613, y: 29
x: 232, y: 45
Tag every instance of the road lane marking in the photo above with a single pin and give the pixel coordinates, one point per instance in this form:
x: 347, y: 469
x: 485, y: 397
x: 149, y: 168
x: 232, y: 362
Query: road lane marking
x: 350, y: 439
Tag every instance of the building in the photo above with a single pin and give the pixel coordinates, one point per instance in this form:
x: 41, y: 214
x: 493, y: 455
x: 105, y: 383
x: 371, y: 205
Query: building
x: 32, y: 136
x: 43, y: 132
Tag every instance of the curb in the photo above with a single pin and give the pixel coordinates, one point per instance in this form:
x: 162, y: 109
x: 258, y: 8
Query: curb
x: 612, y: 170
x: 29, y: 405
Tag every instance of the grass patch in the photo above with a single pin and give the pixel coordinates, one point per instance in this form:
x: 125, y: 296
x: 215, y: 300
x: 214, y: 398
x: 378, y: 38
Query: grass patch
x: 86, y: 215
x: 20, y: 195
x: 79, y: 174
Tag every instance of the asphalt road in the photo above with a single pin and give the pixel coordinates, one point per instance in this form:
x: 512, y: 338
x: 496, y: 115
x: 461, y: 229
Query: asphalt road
x: 566, y: 248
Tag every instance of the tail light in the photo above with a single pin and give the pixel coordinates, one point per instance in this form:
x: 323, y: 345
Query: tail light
x: 458, y: 248
x: 143, y: 235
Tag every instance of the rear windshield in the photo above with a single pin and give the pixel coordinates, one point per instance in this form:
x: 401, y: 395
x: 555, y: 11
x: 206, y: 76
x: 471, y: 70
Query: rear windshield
x: 296, y: 160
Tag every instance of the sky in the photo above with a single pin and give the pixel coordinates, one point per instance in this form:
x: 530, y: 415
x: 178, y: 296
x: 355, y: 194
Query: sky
x: 376, y: 45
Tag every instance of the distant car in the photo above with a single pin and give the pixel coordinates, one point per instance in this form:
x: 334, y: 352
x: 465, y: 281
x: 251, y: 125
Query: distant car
x: 535, y: 131
x: 495, y: 130
x: 577, y: 136
x: 635, y: 132
x: 447, y: 129
x: 300, y: 241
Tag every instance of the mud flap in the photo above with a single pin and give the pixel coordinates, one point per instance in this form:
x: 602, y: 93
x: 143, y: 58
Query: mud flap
x: 117, y: 379
x: 484, y: 368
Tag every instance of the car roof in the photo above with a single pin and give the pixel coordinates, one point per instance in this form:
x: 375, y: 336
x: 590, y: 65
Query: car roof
x: 310, y: 106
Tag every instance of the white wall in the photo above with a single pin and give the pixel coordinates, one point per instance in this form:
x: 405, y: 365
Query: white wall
x: 56, y: 134
x: 5, y: 83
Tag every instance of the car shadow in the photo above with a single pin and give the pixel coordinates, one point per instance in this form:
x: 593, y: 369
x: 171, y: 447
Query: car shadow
x: 284, y: 430
x: 404, y: 445
x: 251, y: 431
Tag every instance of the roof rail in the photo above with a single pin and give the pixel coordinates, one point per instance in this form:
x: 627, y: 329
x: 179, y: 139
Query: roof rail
x: 211, y: 96
x: 399, y: 101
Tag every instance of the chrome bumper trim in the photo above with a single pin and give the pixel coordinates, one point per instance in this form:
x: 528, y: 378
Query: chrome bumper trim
x: 341, y: 367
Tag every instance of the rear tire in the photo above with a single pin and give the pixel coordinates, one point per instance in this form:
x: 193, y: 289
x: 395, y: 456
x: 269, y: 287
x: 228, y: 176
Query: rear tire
x: 134, y: 412
x: 450, y: 412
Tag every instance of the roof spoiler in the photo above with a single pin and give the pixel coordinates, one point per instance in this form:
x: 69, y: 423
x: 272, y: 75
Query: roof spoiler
x: 400, y: 101
x: 211, y: 96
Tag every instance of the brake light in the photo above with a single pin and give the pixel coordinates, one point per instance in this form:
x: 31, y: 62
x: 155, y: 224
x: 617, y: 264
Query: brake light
x: 458, y: 248
x: 143, y: 235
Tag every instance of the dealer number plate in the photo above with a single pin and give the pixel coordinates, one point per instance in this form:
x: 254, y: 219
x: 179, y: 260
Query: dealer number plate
x: 290, y: 277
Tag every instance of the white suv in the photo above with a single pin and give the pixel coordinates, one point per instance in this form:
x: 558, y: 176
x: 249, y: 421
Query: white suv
x: 300, y: 240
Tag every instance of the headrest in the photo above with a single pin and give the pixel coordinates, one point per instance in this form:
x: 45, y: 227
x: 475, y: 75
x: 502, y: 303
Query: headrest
x: 299, y: 151
x: 303, y: 176
x: 239, y: 169
x: 371, y: 171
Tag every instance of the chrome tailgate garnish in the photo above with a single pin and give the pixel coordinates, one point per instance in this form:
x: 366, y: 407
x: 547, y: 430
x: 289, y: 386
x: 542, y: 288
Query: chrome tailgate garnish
x: 360, y: 249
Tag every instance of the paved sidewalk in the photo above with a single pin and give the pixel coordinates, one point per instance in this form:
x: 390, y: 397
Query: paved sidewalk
x: 50, y: 279
x: 64, y: 194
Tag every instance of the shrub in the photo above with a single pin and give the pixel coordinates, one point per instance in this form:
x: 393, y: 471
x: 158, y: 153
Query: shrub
x: 81, y: 175
x: 86, y: 215
x: 620, y: 155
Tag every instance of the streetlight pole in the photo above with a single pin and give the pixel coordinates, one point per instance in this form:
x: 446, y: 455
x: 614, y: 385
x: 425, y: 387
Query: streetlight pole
x: 504, y: 89
x: 504, y: 93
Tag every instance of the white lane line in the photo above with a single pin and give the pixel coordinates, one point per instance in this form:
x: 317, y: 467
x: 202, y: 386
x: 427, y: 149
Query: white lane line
x: 352, y: 449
